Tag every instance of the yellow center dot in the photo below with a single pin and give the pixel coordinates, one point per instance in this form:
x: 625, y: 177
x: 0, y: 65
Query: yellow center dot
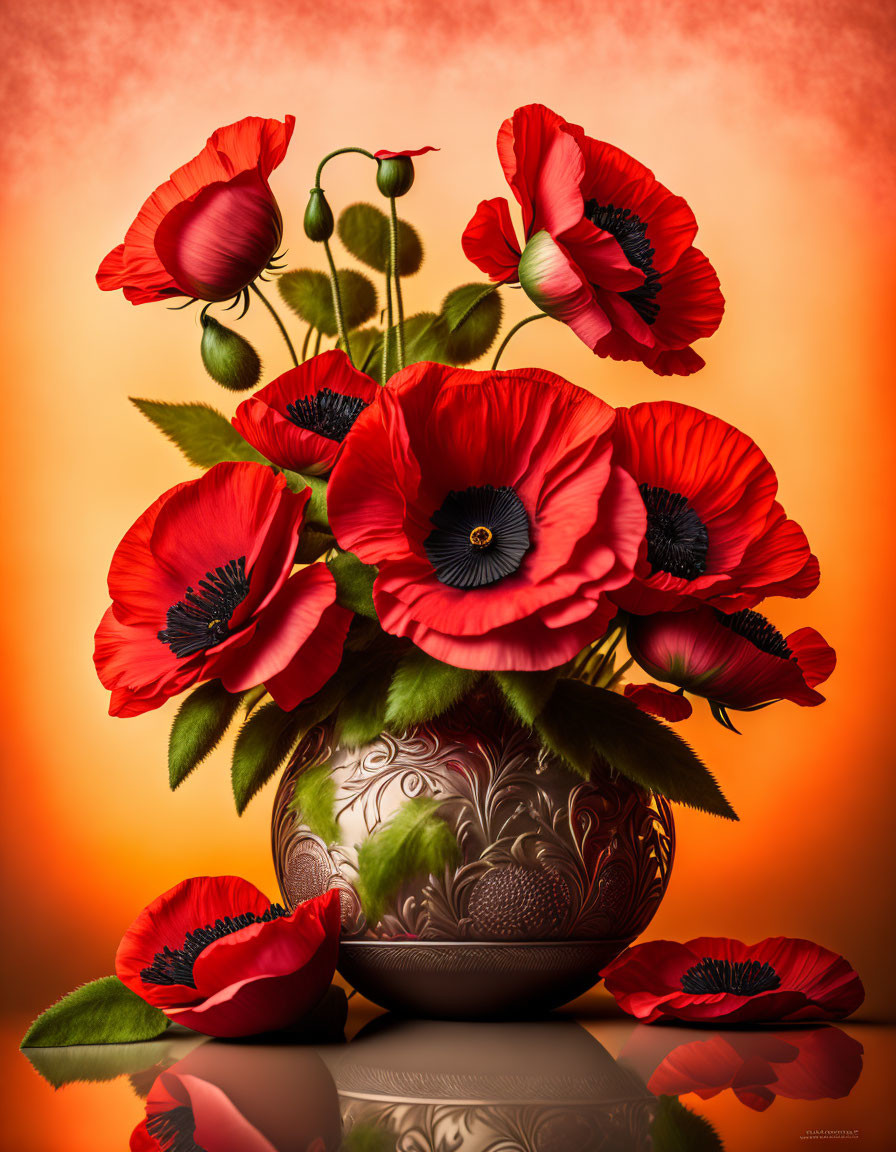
x: 481, y: 537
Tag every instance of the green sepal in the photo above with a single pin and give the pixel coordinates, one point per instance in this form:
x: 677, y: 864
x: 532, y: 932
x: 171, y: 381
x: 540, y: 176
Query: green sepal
x: 527, y: 693
x: 676, y: 1128
x: 229, y: 358
x: 472, y: 315
x: 204, y: 435
x: 423, y: 687
x: 354, y: 583
x: 201, y: 721
x: 364, y: 230
x: 583, y: 725
x: 720, y: 713
x: 310, y: 295
x: 102, y: 1012
x: 314, y: 802
x: 415, y: 841
x: 316, y: 509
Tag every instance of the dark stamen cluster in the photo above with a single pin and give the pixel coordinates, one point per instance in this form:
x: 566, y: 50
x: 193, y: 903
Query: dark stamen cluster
x: 755, y: 628
x: 328, y: 413
x: 677, y: 539
x: 480, y: 536
x: 740, y: 977
x: 176, y: 966
x: 631, y: 233
x: 201, y: 619
x: 174, y: 1130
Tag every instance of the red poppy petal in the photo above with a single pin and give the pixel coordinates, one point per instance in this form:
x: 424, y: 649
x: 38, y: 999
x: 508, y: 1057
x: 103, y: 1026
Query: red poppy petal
x: 388, y: 154
x: 691, y: 302
x: 167, y: 921
x: 304, y: 676
x: 553, y: 282
x: 816, y: 658
x: 659, y: 701
x: 778, y: 562
x: 253, y: 141
x: 489, y: 241
x: 544, y: 166
x: 600, y: 257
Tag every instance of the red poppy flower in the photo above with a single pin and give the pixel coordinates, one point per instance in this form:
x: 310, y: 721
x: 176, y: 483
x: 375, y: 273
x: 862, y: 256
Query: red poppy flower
x: 717, y: 980
x: 299, y: 420
x: 201, y: 590
x: 215, y: 955
x: 739, y: 661
x: 821, y: 1063
x: 213, y: 227
x: 715, y: 533
x: 495, y: 547
x: 607, y: 249
x: 672, y: 706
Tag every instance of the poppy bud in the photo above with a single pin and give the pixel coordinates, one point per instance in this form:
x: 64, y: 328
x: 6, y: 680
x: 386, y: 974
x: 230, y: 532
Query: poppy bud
x: 319, y: 221
x: 229, y: 358
x: 395, y: 175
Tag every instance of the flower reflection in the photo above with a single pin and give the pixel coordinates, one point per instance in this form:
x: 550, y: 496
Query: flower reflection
x: 799, y: 1064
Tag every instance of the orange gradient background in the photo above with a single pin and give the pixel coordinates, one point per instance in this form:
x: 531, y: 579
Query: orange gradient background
x: 772, y: 121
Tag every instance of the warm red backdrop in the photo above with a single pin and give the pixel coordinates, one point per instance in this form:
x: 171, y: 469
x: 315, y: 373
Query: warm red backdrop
x: 771, y: 119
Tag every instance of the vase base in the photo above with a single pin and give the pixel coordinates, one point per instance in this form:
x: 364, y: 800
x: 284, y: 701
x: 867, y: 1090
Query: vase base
x: 474, y: 980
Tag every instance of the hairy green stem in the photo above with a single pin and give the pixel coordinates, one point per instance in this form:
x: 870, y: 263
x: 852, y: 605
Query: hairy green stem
x: 277, y: 320
x: 396, y: 278
x: 339, y: 152
x: 337, y: 303
x: 317, y: 342
x: 513, y: 331
x: 306, y: 343
x: 387, y: 331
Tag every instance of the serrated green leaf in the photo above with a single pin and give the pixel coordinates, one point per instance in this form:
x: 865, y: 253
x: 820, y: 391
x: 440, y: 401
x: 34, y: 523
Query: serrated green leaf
x: 316, y: 510
x: 414, y: 842
x: 678, y: 1129
x: 423, y: 687
x: 361, y: 717
x: 203, y: 434
x: 102, y: 1012
x: 201, y: 721
x: 527, y: 693
x: 229, y: 358
x: 264, y: 742
x: 581, y: 723
x: 253, y: 697
x: 310, y: 295
x: 314, y: 802
x: 354, y: 583
x: 472, y: 315
x: 364, y: 230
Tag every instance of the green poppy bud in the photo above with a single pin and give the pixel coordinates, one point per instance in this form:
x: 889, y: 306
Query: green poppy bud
x: 229, y: 358
x: 395, y: 175
x: 319, y: 221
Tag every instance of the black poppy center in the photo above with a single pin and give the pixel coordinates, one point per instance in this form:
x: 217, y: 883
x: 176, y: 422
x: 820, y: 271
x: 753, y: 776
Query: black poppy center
x: 201, y: 620
x: 480, y: 536
x: 174, y: 1130
x: 677, y: 539
x: 631, y: 233
x: 328, y: 413
x: 741, y: 977
x: 175, y: 966
x: 755, y: 628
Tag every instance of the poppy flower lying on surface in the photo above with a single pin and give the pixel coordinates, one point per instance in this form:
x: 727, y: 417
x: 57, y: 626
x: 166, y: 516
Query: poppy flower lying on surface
x: 211, y: 229
x: 299, y: 420
x: 607, y: 249
x: 715, y: 532
x: 496, y: 547
x: 720, y: 981
x: 822, y: 1063
x: 201, y: 590
x: 215, y: 955
x: 739, y: 661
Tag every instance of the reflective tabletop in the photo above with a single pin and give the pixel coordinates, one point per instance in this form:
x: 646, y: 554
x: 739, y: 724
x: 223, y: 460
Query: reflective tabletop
x: 581, y: 1081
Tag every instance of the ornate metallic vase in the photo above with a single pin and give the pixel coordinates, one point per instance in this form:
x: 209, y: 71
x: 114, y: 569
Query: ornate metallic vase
x: 555, y: 877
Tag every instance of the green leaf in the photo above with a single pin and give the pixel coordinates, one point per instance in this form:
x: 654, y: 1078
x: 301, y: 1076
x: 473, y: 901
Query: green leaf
x: 264, y: 742
x: 361, y: 717
x: 229, y: 358
x: 422, y: 688
x: 678, y: 1129
x: 201, y: 721
x: 314, y: 802
x: 103, y: 1012
x: 310, y: 295
x: 414, y: 842
x: 473, y: 316
x: 253, y: 697
x: 364, y: 230
x: 316, y: 511
x: 203, y: 434
x: 581, y: 723
x: 527, y: 692
x: 354, y: 583
x: 366, y: 343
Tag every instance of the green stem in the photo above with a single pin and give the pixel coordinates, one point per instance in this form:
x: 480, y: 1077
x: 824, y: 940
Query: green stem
x: 387, y: 331
x: 339, y: 152
x: 396, y: 278
x: 337, y: 303
x: 317, y: 342
x: 277, y: 320
x: 307, y: 342
x: 512, y: 333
